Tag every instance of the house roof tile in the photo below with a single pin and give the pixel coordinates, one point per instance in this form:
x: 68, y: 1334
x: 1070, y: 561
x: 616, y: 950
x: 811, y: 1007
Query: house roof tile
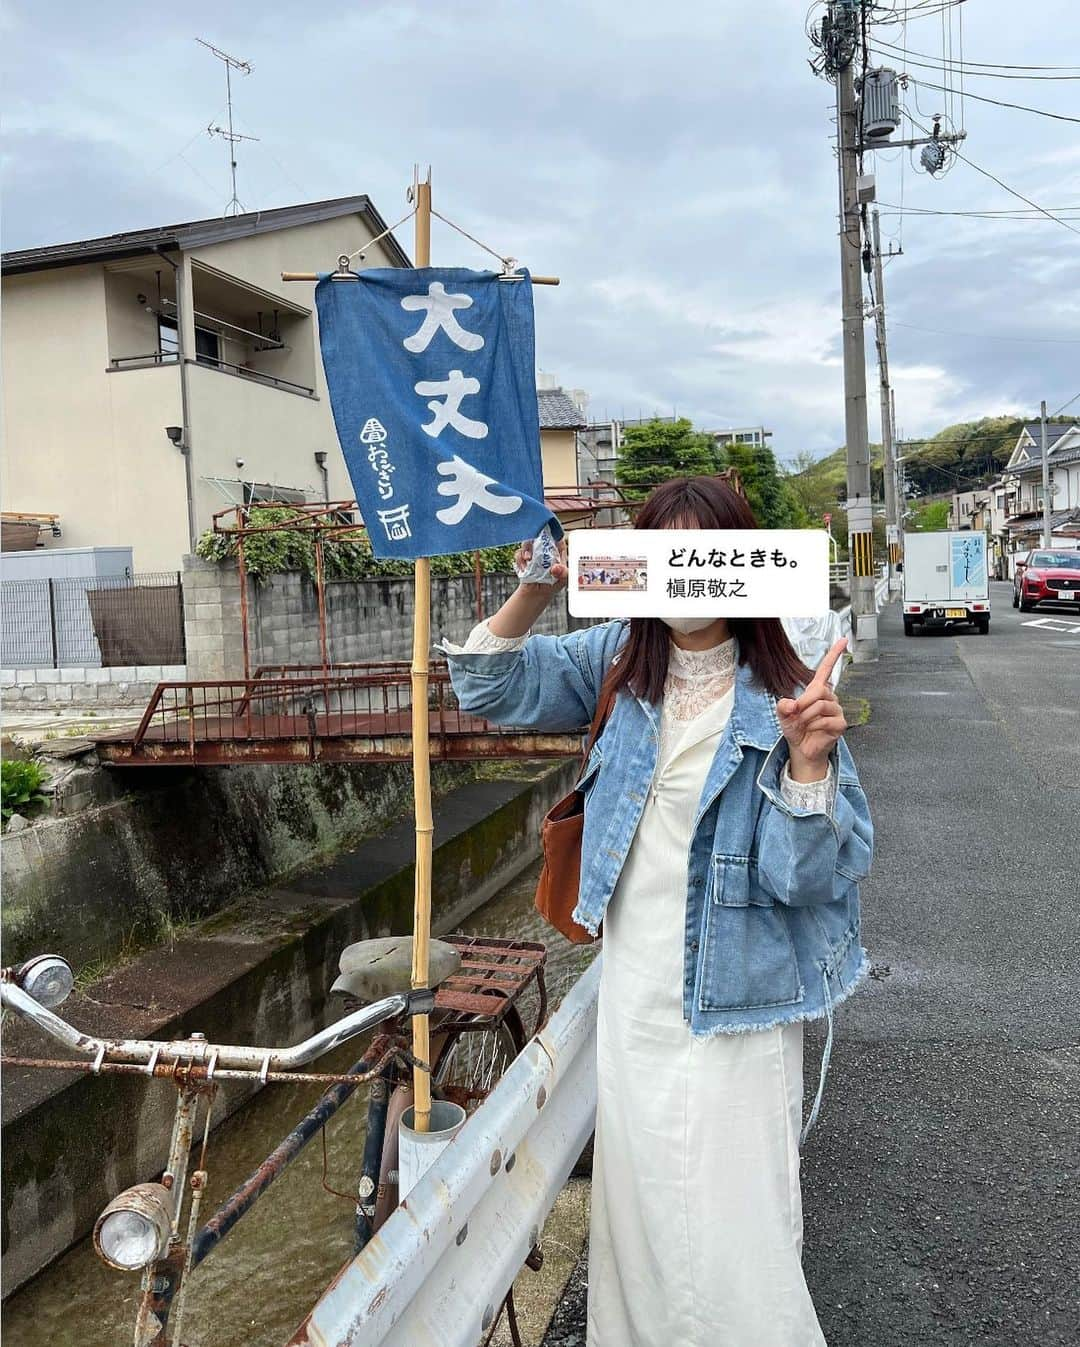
x: 558, y: 411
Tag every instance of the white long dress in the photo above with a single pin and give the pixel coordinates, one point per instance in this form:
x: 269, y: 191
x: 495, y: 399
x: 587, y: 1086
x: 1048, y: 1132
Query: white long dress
x: 696, y: 1229
x: 696, y: 1223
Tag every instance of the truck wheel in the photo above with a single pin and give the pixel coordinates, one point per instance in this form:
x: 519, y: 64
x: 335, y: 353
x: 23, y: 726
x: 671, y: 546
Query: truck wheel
x: 909, y: 627
x: 983, y: 626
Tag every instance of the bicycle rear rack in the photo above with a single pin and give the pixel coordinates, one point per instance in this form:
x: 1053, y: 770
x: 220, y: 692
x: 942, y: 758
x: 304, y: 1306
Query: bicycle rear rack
x: 492, y: 976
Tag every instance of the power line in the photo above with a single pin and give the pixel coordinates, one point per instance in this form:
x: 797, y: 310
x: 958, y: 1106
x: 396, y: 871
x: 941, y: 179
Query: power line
x: 1005, y: 187
x: 1015, y: 213
x: 983, y: 336
x: 961, y: 444
x: 998, y: 102
x: 926, y: 11
x: 930, y: 63
x: 1070, y: 402
x: 988, y: 65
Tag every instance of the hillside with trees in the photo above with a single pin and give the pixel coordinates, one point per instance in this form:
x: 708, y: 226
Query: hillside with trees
x: 962, y: 456
x: 959, y: 458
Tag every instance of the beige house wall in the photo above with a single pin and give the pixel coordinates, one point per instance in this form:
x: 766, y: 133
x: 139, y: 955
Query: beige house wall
x: 274, y: 431
x: 78, y: 441
x: 90, y: 445
x: 558, y: 452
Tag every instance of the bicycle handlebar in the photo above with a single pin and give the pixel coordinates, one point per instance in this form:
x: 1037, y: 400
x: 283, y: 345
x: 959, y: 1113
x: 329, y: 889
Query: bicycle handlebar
x: 197, y: 1051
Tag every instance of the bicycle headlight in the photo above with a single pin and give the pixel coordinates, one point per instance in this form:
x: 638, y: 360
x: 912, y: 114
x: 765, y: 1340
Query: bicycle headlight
x: 48, y: 979
x: 134, y: 1229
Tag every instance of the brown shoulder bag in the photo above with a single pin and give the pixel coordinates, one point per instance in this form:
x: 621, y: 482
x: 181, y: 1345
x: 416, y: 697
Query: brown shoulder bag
x: 560, y: 837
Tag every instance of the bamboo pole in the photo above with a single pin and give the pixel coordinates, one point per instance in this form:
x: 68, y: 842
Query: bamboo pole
x: 421, y: 753
x: 347, y: 276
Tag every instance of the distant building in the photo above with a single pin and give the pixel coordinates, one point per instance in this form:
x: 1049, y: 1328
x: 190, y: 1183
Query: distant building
x: 562, y: 418
x: 756, y: 435
x: 1019, y: 493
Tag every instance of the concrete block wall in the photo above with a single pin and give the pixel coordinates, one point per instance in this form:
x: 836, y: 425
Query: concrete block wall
x: 26, y: 689
x: 366, y: 619
x: 213, y: 636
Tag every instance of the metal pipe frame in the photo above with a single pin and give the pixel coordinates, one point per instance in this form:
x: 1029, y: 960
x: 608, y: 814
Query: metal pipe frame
x: 192, y: 1052
x: 253, y: 1187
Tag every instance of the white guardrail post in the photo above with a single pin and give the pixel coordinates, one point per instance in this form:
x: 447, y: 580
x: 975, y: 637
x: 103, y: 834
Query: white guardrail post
x: 437, y: 1271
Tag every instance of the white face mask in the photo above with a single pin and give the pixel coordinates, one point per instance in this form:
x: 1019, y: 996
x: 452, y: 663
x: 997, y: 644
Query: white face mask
x: 687, y: 624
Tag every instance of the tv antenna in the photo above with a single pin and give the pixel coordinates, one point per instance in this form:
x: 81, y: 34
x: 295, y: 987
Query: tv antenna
x: 230, y: 63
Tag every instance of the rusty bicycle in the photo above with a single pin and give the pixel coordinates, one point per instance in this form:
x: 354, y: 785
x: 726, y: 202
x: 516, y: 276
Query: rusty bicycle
x: 484, y: 989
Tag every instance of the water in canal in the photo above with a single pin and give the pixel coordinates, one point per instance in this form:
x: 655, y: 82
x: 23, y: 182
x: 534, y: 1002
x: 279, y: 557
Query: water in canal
x: 257, y: 1286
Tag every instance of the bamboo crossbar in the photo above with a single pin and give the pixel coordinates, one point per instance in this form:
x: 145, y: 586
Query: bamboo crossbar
x: 351, y: 276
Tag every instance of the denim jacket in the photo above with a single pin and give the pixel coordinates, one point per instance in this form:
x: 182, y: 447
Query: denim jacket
x: 772, y: 902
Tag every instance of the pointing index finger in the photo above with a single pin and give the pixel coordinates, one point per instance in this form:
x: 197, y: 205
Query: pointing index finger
x: 823, y: 672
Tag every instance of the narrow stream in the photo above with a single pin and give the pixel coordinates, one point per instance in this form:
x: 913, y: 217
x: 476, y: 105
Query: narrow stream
x: 257, y: 1286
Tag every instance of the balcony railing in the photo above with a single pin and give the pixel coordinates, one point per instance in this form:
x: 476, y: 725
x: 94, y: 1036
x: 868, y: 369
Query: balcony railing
x: 152, y: 358
x: 257, y: 376
x: 139, y: 361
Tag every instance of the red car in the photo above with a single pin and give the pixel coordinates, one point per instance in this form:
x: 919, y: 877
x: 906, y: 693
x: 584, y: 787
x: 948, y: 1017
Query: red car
x: 1048, y: 577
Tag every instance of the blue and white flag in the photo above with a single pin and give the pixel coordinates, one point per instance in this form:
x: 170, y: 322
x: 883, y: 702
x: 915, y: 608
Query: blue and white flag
x: 432, y: 383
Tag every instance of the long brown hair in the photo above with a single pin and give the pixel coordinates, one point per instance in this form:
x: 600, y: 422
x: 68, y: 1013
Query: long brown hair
x: 704, y: 503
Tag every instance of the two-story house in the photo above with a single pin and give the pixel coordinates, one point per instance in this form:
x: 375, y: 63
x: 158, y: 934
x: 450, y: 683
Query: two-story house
x: 154, y: 377
x: 1020, y: 492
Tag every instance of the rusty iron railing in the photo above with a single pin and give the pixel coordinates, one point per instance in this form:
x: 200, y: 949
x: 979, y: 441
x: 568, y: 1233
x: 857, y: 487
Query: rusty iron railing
x: 298, y: 713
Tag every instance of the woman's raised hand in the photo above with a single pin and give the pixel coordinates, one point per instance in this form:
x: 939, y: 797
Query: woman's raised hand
x: 559, y: 571
x: 813, y: 723
x: 527, y: 603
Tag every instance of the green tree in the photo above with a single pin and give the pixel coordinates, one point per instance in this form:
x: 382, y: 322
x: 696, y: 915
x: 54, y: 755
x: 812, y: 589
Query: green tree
x: 772, y: 497
x: 933, y: 517
x: 660, y: 450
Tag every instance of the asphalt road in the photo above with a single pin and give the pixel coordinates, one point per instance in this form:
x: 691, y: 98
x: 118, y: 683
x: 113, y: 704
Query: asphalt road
x: 942, y: 1182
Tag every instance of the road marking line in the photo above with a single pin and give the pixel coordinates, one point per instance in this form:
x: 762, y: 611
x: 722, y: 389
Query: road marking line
x: 1055, y: 624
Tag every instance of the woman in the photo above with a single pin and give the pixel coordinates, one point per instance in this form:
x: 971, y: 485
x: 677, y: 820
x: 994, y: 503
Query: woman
x: 724, y: 837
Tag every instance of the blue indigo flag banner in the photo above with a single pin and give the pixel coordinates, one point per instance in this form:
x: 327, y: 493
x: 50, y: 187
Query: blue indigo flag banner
x: 432, y: 382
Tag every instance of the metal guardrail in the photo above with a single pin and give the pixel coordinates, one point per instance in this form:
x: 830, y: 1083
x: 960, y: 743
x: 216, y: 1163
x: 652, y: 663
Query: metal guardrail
x: 445, y: 1259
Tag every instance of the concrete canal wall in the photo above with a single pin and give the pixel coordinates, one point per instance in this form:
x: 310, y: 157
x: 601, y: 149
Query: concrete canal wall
x: 258, y: 971
x: 129, y: 856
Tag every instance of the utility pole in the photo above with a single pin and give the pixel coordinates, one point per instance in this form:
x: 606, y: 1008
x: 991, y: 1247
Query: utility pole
x: 1048, y: 529
x: 892, y: 523
x: 843, y: 16
x: 898, y: 477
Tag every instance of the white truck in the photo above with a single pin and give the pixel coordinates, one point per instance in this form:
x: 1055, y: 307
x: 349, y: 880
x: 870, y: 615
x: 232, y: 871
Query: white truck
x: 945, y: 581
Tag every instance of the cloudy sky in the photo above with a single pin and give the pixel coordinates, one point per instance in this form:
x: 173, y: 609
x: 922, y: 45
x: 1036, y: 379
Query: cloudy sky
x: 672, y: 162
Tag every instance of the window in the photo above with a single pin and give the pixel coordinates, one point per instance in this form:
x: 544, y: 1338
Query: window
x: 168, y: 339
x: 207, y: 346
x: 207, y: 342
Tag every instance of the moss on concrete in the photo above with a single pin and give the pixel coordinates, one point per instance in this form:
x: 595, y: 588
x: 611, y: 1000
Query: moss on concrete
x: 181, y: 843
